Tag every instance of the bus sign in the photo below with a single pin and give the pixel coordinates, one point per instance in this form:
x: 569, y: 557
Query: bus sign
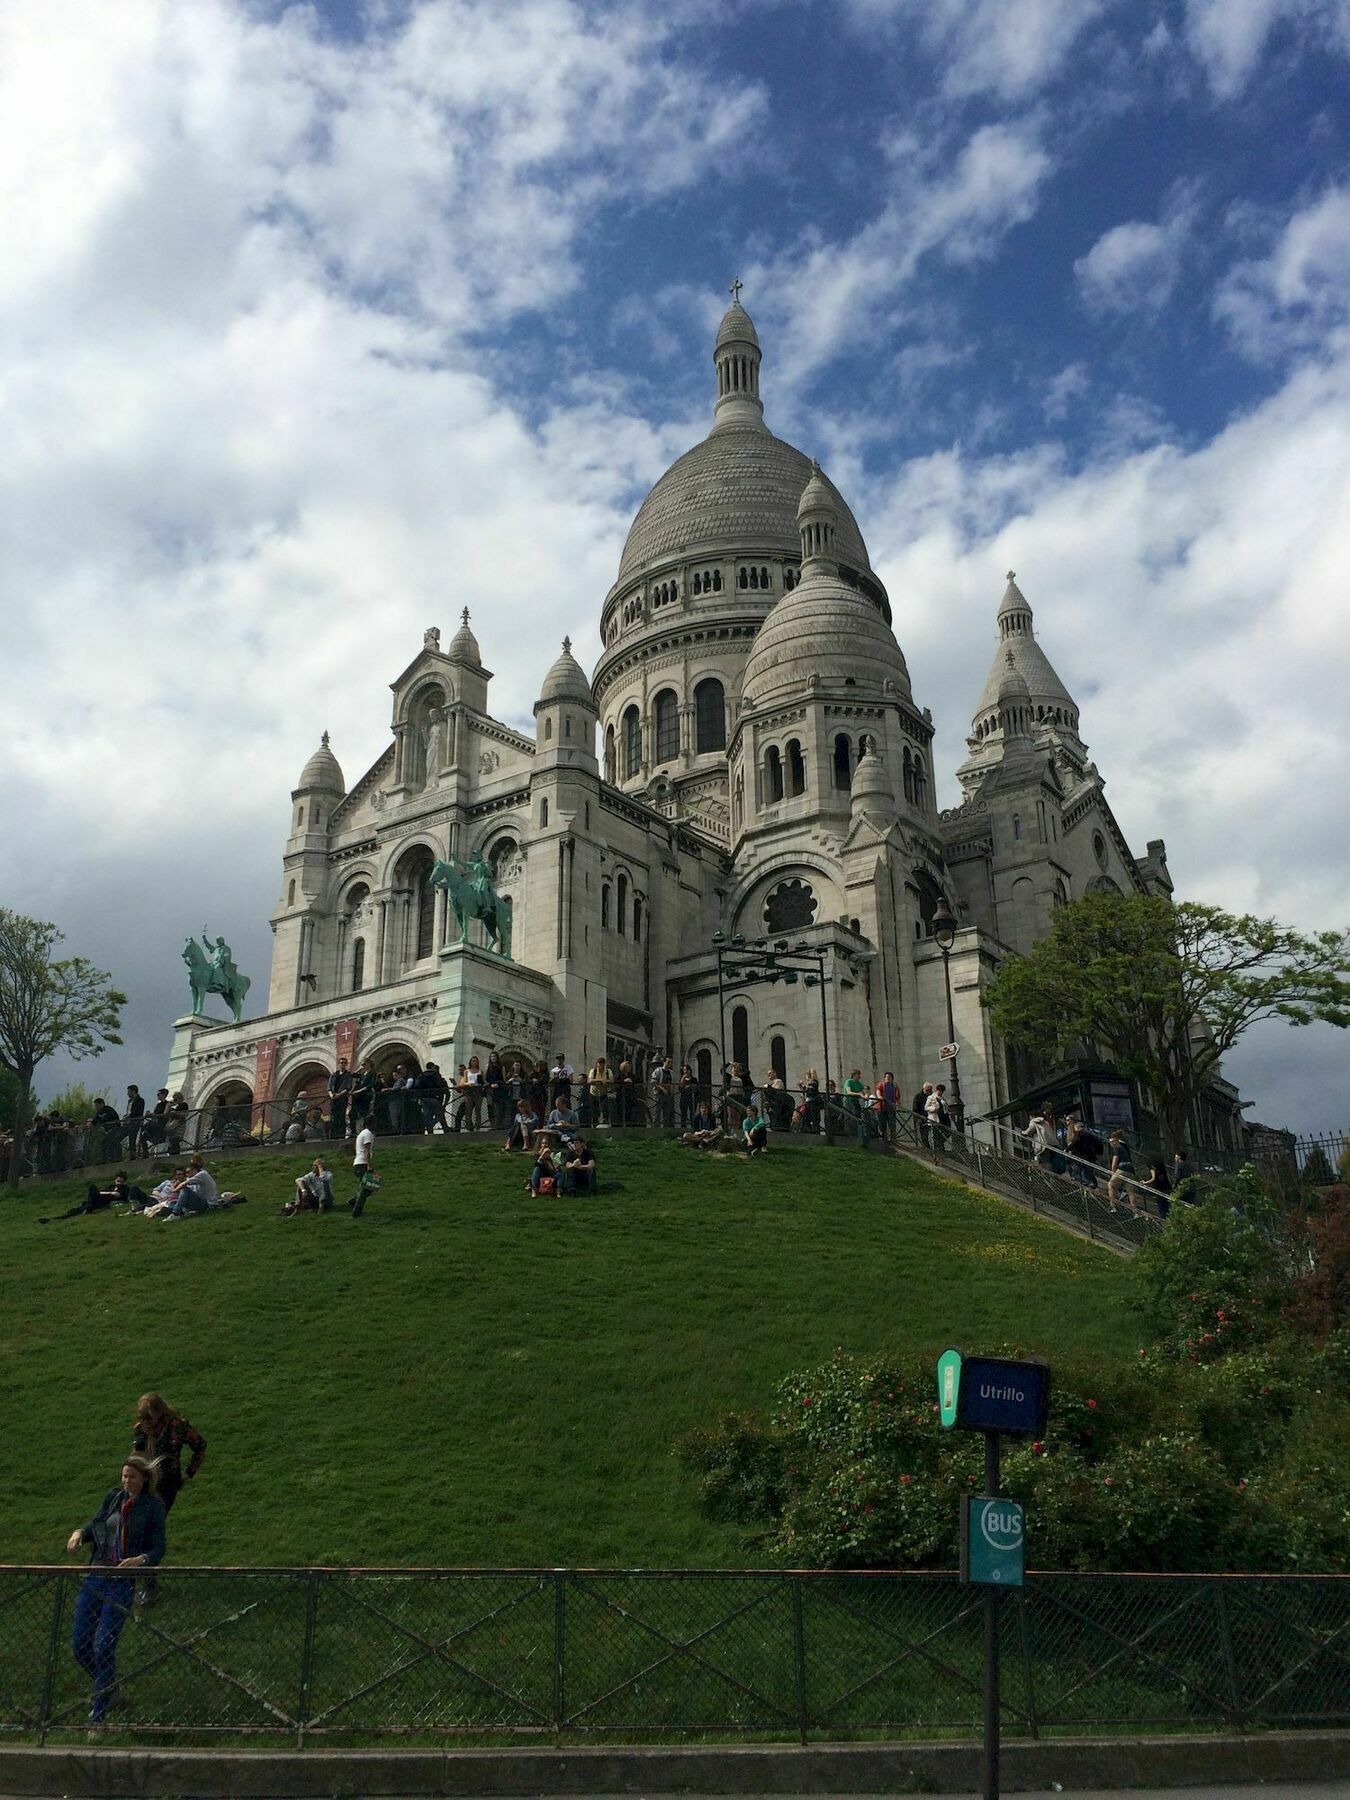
x: 993, y: 1541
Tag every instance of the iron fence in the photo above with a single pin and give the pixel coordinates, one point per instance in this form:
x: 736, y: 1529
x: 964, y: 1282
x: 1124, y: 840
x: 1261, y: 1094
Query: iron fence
x: 577, y: 1655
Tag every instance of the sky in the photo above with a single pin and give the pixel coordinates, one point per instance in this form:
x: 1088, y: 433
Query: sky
x: 320, y: 322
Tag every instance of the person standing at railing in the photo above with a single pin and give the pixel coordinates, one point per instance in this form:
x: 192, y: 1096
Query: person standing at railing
x: 663, y: 1092
x: 919, y: 1107
x: 1083, y: 1147
x: 132, y: 1122
x: 598, y: 1084
x: 625, y: 1093
x: 888, y: 1095
x: 340, y: 1084
x: 1040, y: 1133
x: 811, y: 1102
x: 935, y: 1110
x: 688, y: 1087
x: 494, y: 1086
x: 125, y: 1534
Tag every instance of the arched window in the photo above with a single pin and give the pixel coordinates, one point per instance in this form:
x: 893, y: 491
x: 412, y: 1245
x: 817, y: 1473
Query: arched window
x: 773, y: 776
x: 1061, y: 894
x: 411, y: 876
x: 907, y: 773
x: 637, y: 918
x: 548, y: 729
x: 621, y: 910
x: 604, y: 907
x: 358, y: 965
x: 743, y: 579
x: 1017, y: 826
x: 543, y: 813
x: 920, y: 782
x: 843, y: 763
x: 710, y: 716
x: 717, y: 581
x: 796, y: 768
x: 666, y: 710
x: 632, y: 743
x: 698, y: 582
x: 611, y: 758
x: 703, y: 1072
x: 778, y: 1057
x: 740, y: 1036
x: 290, y: 894
x: 764, y: 578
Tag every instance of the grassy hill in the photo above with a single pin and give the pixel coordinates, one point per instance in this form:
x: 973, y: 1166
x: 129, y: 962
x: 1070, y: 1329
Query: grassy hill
x: 470, y: 1375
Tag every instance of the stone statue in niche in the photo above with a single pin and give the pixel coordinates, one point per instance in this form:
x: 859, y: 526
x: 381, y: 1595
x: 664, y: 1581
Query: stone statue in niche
x: 434, y: 746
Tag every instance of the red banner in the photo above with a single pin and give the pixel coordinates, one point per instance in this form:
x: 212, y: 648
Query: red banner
x: 346, y: 1041
x: 264, y: 1077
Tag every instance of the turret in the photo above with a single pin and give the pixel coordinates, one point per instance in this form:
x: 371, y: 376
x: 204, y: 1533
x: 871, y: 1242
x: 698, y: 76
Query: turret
x: 736, y: 357
x: 565, y: 715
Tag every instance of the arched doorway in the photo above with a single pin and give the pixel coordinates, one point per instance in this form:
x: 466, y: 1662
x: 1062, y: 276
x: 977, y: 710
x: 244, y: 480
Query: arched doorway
x: 226, y: 1116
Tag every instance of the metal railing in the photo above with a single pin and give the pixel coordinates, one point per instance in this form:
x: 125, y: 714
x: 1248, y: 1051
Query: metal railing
x: 578, y: 1655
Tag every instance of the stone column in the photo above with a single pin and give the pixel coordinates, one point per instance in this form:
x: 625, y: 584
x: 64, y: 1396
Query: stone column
x: 381, y: 933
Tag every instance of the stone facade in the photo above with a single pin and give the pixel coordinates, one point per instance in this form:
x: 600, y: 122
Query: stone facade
x: 748, y: 758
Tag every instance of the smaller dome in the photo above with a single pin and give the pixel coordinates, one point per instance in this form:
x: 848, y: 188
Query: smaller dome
x: 321, y: 773
x: 1013, y: 601
x: 817, y: 496
x: 566, y: 680
x: 464, y: 645
x: 1012, y: 684
x: 737, y: 327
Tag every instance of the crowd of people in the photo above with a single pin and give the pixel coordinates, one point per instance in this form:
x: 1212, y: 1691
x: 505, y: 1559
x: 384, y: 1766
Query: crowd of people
x: 55, y: 1142
x: 127, y: 1539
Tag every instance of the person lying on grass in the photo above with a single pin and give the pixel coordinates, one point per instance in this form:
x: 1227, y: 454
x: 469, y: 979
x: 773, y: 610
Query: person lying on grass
x: 99, y: 1199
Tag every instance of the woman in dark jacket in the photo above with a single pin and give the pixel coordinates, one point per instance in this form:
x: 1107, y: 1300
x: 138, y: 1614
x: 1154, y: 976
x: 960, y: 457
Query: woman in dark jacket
x: 125, y: 1534
x: 163, y: 1434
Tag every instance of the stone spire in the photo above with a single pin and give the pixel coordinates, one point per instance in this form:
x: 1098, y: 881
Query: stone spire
x: 736, y: 357
x: 818, y: 522
x: 1047, y: 703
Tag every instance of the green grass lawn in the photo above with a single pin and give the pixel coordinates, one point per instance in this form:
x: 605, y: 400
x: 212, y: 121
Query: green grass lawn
x: 468, y: 1375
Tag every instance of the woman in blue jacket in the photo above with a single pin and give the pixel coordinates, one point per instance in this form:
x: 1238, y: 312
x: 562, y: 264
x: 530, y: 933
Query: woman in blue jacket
x: 125, y: 1534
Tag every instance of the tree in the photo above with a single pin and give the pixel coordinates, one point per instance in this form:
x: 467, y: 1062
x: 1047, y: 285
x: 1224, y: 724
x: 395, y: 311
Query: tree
x: 9, y: 1099
x: 1165, y: 990
x: 47, y: 1005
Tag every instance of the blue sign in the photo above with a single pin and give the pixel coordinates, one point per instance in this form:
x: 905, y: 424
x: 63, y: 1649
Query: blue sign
x: 998, y: 1395
x: 993, y: 1541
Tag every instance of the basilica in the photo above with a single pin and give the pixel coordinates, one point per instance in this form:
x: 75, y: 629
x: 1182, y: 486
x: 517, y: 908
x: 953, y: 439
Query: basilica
x: 747, y: 768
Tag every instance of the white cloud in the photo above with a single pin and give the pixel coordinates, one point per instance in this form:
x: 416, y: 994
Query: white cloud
x: 826, y: 296
x: 1299, y: 293
x: 1229, y: 36
x: 987, y: 46
x: 1134, y: 267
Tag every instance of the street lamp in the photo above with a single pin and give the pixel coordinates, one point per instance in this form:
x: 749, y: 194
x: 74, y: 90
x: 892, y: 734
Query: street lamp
x: 944, y: 934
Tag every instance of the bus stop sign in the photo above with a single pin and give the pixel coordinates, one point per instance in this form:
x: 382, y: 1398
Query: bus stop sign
x: 993, y: 1541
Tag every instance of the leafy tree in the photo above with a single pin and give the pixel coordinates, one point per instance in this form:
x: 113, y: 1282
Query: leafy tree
x: 48, y: 1005
x: 1166, y: 990
x: 9, y: 1099
x: 1317, y: 1171
x: 75, y: 1101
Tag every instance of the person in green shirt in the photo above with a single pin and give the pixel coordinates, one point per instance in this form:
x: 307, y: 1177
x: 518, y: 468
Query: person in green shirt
x: 755, y: 1130
x: 853, y: 1093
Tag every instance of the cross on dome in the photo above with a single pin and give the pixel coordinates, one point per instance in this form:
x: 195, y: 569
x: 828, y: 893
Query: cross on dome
x: 464, y: 616
x: 735, y: 289
x: 567, y: 646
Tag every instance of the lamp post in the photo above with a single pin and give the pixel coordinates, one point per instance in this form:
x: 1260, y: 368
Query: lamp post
x: 944, y: 933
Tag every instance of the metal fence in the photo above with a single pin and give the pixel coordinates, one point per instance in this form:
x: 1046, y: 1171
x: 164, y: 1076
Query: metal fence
x: 577, y: 1655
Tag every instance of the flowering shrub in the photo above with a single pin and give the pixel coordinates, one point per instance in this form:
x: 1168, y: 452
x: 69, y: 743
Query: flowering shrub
x: 1161, y: 1466
x: 1211, y: 1282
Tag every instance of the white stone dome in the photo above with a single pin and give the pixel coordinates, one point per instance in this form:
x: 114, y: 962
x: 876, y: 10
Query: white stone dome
x: 321, y: 774
x: 464, y: 645
x: 826, y: 629
x: 737, y: 327
x: 735, y: 493
x: 566, y: 680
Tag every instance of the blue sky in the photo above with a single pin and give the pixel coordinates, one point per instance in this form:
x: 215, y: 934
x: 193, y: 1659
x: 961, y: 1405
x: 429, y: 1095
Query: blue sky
x: 318, y: 323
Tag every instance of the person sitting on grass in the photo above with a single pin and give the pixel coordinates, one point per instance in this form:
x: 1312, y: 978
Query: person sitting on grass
x: 705, y: 1131
x: 755, y: 1130
x: 197, y: 1192
x: 544, y: 1174
x: 99, y: 1199
x: 313, y: 1190
x: 562, y: 1120
x: 578, y: 1170
x: 523, y: 1126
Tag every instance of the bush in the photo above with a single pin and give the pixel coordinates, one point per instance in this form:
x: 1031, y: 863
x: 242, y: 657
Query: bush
x: 1210, y: 1281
